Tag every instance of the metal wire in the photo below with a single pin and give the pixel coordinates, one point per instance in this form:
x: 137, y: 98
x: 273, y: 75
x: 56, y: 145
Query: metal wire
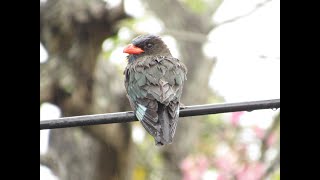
x: 122, y: 117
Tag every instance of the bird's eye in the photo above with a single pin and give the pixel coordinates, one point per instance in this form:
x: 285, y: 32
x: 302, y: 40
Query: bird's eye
x: 149, y: 45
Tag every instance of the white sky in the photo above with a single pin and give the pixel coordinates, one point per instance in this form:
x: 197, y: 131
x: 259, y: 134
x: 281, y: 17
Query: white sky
x: 240, y: 75
x: 47, y: 111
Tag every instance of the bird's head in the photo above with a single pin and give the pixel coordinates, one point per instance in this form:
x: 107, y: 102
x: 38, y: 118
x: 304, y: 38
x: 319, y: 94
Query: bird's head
x: 145, y: 45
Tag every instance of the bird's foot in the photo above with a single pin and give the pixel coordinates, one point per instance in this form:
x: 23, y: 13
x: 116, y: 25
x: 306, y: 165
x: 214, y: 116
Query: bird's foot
x: 182, y: 106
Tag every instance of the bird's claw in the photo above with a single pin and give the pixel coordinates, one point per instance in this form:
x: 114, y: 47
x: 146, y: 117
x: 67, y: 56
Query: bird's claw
x: 182, y: 106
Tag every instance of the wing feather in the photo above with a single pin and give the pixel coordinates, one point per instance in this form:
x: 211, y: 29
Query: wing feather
x: 152, y: 82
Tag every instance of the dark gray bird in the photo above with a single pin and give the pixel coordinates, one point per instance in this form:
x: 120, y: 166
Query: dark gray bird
x: 154, y: 81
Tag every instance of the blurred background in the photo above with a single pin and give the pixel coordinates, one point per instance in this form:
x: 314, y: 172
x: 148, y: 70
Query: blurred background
x: 232, y: 51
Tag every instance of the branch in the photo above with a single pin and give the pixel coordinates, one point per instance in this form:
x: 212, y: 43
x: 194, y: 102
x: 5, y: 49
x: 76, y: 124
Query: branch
x: 264, y: 146
x: 191, y: 36
x: 118, y: 13
x: 268, y: 57
x: 122, y: 117
x: 175, y: 15
x: 214, y: 6
x: 48, y: 161
x: 272, y: 167
x: 186, y: 35
x: 258, y: 6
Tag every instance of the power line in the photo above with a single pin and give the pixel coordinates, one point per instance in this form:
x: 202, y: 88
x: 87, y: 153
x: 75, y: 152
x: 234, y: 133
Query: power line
x: 122, y: 117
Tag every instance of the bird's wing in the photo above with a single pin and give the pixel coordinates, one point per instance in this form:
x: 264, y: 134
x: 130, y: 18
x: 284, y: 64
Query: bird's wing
x: 154, y: 82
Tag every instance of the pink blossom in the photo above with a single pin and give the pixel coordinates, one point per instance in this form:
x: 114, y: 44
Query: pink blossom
x: 271, y: 139
x: 202, y: 164
x: 259, y: 132
x: 223, y: 176
x: 186, y: 164
x: 194, y: 168
x: 251, y: 172
x: 235, y: 118
x: 225, y: 163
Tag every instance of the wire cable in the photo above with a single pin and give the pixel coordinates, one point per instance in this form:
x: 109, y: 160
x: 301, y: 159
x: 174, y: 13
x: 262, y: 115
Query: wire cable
x: 123, y: 117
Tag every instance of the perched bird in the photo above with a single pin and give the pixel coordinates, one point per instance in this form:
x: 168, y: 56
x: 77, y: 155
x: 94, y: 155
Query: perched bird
x: 154, y: 81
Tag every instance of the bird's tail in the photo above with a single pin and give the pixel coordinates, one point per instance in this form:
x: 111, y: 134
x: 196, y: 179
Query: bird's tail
x: 164, y: 119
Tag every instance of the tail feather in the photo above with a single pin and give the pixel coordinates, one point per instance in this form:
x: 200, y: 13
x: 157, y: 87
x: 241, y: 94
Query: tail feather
x: 164, y: 119
x: 159, y: 120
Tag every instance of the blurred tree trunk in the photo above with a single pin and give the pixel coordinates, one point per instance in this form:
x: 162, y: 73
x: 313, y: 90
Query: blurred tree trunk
x: 72, y: 32
x: 190, y: 30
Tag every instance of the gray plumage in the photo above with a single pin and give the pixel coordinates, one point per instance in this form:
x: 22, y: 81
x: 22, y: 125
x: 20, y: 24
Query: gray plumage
x: 154, y: 81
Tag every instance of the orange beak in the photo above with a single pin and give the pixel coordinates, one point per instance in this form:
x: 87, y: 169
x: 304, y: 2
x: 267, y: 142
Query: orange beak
x: 132, y: 49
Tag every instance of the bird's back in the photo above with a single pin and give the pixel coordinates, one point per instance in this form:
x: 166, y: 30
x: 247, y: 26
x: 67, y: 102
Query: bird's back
x: 154, y: 85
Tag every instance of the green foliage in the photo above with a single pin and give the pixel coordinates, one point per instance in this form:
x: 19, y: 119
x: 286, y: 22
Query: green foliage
x: 212, y: 125
x: 140, y: 173
x: 116, y: 41
x: 128, y: 23
x: 276, y: 175
x: 199, y: 6
x: 149, y: 161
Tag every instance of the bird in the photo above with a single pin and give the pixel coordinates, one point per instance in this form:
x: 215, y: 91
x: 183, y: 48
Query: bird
x: 154, y: 81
